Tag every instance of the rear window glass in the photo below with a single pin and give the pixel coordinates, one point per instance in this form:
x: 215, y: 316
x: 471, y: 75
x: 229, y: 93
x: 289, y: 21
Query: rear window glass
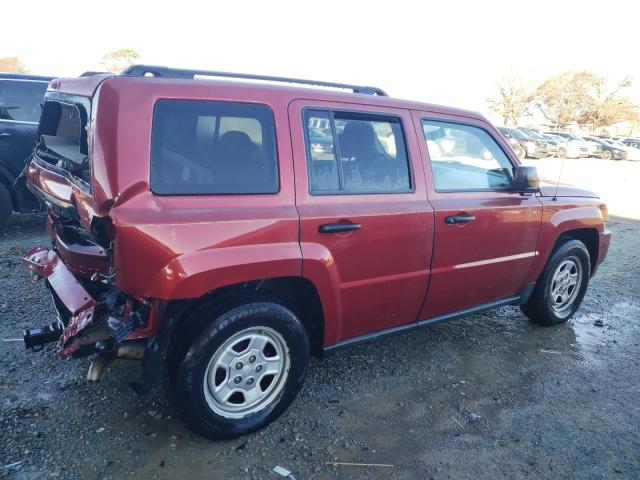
x: 21, y: 100
x: 208, y: 147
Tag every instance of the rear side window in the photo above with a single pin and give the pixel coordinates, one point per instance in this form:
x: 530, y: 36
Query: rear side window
x: 21, y: 100
x: 353, y: 152
x: 208, y: 147
x: 465, y: 157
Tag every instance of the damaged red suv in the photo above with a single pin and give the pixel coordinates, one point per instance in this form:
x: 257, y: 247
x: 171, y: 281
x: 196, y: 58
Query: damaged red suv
x: 221, y: 232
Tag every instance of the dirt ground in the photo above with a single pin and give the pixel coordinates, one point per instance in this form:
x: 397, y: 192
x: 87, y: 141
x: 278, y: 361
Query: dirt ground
x: 489, y: 396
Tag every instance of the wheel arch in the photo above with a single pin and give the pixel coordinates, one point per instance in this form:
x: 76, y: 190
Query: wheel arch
x: 588, y: 236
x: 581, y: 222
x: 296, y: 293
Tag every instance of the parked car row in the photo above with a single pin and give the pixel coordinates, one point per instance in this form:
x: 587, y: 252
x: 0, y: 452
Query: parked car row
x: 529, y: 143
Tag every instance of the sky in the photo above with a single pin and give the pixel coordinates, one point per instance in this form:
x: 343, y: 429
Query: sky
x: 445, y: 52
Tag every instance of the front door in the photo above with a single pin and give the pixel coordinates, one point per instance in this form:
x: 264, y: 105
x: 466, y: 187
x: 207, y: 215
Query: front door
x: 364, y: 213
x: 485, y: 233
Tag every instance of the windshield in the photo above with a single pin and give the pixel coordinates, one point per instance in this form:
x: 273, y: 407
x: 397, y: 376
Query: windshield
x: 555, y: 138
x: 533, y: 134
x: 518, y: 133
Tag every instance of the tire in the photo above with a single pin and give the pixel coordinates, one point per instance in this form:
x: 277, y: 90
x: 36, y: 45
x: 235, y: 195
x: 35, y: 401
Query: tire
x: 562, y: 153
x: 6, y: 206
x: 545, y: 307
x: 606, y: 154
x: 221, y: 362
x: 521, y: 152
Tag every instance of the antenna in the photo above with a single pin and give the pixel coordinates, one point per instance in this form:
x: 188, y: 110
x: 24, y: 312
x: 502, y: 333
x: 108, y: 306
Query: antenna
x: 555, y: 195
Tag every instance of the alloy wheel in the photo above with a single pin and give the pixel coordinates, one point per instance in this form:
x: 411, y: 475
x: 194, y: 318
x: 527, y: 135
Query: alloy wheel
x: 565, y: 285
x: 247, y: 372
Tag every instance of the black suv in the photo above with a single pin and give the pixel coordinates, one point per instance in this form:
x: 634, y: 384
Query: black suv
x: 21, y: 97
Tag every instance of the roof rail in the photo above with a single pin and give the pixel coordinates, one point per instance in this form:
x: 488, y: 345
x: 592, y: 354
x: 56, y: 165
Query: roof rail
x: 156, y: 71
x: 91, y: 73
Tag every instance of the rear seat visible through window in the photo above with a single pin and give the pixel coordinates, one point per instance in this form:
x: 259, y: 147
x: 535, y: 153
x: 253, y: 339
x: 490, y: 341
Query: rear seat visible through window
x: 208, y: 147
x: 356, y: 152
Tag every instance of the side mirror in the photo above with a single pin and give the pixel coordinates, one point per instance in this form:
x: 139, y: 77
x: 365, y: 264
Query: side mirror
x: 526, y: 179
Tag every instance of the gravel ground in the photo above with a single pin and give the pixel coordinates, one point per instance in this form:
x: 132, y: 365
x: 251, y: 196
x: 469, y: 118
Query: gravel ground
x: 490, y: 396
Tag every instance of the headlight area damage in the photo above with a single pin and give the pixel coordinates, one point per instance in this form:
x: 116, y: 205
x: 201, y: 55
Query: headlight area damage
x: 93, y: 316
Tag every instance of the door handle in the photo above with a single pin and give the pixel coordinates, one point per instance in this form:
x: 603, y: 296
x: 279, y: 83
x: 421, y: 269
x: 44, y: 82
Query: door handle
x: 453, y: 219
x: 338, y: 227
x: 4, y: 135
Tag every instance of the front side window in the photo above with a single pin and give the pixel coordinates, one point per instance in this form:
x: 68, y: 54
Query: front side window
x: 464, y: 157
x: 353, y: 152
x: 209, y: 147
x: 21, y: 101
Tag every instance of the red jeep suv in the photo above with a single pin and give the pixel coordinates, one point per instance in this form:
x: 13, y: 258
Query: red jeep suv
x: 221, y: 232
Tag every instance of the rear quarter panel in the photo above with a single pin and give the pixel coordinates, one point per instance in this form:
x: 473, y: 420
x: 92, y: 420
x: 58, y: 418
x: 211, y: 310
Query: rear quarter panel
x: 171, y: 247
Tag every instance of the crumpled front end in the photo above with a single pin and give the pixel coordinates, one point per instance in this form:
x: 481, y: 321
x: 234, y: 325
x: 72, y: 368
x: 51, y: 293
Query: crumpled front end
x: 93, y: 316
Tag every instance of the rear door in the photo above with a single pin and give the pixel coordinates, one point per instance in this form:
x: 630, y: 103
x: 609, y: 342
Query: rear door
x: 364, y: 212
x: 20, y: 108
x: 485, y: 233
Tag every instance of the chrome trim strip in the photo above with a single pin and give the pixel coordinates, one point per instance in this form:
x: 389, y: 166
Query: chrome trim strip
x: 495, y: 260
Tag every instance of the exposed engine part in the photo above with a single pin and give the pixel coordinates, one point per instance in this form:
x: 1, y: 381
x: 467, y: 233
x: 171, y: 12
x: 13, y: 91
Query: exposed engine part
x: 98, y: 366
x: 121, y: 328
x: 37, y: 337
x: 131, y: 350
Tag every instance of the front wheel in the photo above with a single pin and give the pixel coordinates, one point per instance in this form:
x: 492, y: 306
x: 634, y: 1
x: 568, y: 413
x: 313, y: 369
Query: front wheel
x: 606, y: 154
x: 561, y: 287
x: 242, y: 371
x: 521, y: 152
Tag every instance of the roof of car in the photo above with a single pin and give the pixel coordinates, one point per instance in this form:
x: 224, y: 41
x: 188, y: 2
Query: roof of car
x: 24, y: 76
x: 86, y: 86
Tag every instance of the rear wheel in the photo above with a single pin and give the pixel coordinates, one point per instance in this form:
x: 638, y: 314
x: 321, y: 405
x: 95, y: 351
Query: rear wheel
x: 606, y: 154
x: 562, y: 285
x: 242, y: 370
x: 6, y: 206
x: 562, y: 153
x: 521, y: 152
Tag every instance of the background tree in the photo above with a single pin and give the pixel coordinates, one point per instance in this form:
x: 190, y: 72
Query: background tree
x: 513, y: 99
x: 117, y: 60
x: 606, y: 106
x: 562, y: 98
x: 12, y: 65
x: 584, y: 98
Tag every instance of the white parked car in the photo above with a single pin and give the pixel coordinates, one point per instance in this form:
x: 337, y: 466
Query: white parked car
x: 567, y: 147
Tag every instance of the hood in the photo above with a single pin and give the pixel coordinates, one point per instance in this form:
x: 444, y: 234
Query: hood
x: 549, y: 190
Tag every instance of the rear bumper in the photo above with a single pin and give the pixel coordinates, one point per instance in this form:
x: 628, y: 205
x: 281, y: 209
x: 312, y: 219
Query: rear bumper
x: 106, y: 316
x: 45, y: 263
x: 79, y: 304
